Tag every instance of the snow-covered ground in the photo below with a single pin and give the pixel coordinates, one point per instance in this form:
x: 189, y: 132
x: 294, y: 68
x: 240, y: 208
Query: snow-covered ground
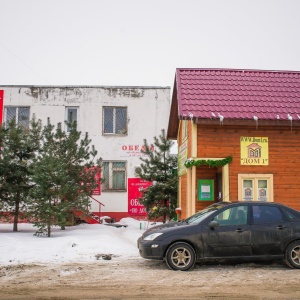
x: 81, y: 243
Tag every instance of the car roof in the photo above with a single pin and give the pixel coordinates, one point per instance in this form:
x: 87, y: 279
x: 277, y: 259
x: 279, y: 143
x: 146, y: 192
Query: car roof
x: 233, y: 202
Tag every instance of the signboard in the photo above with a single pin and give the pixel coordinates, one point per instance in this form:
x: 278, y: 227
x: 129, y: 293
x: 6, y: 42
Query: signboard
x: 97, y: 190
x: 247, y: 193
x: 206, y: 190
x: 182, y: 157
x: 133, y: 150
x: 254, y: 151
x: 134, y: 192
x: 1, y: 105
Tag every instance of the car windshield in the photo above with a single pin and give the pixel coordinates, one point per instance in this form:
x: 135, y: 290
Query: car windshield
x: 201, y: 215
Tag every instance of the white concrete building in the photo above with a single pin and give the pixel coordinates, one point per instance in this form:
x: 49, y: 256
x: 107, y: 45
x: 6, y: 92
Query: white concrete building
x: 117, y: 120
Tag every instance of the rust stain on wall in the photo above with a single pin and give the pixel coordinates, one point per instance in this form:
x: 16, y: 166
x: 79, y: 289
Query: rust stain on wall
x: 33, y: 91
x: 125, y: 92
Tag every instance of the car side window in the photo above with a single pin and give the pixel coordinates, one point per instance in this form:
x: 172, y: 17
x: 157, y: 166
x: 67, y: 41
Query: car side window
x: 236, y: 215
x: 293, y: 215
x: 266, y: 214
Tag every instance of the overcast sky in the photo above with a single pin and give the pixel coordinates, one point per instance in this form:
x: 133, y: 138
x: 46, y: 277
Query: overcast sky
x: 141, y: 43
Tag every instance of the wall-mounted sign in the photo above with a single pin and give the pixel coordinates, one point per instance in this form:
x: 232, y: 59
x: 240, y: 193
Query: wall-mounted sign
x: 97, y: 190
x: 247, y: 193
x: 97, y: 174
x: 134, y: 192
x: 254, y: 150
x: 206, y: 189
x: 1, y: 105
x: 133, y: 150
x: 182, y: 157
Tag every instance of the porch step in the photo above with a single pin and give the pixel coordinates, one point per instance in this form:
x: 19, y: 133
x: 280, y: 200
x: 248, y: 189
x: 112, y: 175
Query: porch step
x: 89, y: 218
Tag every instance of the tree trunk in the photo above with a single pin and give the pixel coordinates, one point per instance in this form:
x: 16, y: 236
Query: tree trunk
x: 49, y: 230
x: 16, y: 214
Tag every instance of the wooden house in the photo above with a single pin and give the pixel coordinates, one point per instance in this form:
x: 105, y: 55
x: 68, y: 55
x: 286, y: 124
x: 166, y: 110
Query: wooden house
x: 238, y: 134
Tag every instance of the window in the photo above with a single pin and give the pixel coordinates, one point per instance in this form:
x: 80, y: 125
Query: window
x: 115, y: 120
x: 236, y: 215
x: 114, y: 175
x: 71, y: 116
x: 256, y: 187
x: 20, y: 114
x: 266, y: 214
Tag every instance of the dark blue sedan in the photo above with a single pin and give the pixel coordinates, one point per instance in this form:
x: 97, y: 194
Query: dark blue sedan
x: 239, y: 231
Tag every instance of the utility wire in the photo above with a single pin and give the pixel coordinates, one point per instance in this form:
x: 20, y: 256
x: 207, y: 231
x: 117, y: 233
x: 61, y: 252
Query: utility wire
x: 23, y: 62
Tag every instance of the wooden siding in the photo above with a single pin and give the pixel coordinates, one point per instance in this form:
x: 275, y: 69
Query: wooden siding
x: 284, y: 157
x: 183, y: 192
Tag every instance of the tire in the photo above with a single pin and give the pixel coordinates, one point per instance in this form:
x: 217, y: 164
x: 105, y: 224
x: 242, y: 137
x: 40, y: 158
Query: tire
x: 292, y: 255
x: 180, y: 256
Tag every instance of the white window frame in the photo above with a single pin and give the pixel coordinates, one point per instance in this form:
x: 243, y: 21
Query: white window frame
x: 17, y: 113
x: 114, y: 121
x: 255, y: 178
x: 67, y: 116
x: 110, y: 176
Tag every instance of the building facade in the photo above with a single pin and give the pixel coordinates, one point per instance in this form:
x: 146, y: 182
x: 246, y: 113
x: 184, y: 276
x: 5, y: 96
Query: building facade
x: 117, y: 120
x: 238, y: 136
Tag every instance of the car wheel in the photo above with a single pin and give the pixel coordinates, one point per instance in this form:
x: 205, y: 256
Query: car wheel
x: 292, y: 255
x: 180, y: 256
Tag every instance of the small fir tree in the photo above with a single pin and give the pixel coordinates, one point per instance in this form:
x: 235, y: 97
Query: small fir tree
x: 159, y: 167
x: 64, y: 175
x: 18, y: 146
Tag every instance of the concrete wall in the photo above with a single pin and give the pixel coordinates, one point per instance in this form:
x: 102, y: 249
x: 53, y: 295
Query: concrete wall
x: 148, y: 113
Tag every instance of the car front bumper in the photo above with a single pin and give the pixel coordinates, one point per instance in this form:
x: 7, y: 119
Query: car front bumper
x: 151, y: 249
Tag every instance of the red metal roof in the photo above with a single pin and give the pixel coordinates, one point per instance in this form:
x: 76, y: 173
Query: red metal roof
x: 238, y: 94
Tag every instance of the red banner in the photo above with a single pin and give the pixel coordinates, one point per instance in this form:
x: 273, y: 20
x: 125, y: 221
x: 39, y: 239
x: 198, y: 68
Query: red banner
x: 1, y: 105
x: 134, y: 192
x: 97, y: 190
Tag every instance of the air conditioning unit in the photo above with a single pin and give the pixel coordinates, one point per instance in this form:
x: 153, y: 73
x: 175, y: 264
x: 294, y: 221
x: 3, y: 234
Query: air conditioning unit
x: 137, y: 171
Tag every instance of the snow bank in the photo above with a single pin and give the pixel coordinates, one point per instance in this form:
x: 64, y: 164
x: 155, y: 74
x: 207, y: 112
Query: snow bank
x: 80, y: 243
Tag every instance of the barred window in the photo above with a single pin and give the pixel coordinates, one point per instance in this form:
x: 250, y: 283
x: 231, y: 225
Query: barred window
x: 71, y: 116
x: 20, y: 114
x: 114, y: 175
x: 115, y: 120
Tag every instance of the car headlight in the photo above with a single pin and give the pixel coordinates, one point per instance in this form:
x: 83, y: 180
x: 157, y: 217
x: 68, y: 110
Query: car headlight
x: 152, y: 236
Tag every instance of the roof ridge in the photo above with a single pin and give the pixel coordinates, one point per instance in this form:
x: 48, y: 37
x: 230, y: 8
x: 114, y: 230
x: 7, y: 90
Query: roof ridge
x: 238, y: 70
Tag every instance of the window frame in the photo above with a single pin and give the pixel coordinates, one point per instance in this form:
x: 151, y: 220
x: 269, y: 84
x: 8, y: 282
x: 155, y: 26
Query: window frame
x: 111, y: 170
x: 17, y: 114
x: 114, y: 125
x: 67, y: 128
x: 255, y: 178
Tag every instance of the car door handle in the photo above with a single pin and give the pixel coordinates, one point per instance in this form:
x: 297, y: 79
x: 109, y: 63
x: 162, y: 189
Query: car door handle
x: 239, y: 230
x: 280, y: 227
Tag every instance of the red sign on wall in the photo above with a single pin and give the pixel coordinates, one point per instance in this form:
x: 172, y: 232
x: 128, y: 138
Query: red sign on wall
x: 1, y: 105
x: 97, y: 190
x: 134, y: 192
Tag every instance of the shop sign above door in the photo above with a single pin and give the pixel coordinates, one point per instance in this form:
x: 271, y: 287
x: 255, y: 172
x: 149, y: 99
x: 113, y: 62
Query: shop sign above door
x: 254, y: 150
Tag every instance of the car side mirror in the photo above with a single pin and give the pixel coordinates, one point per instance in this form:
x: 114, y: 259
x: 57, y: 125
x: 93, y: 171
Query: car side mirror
x: 213, y: 224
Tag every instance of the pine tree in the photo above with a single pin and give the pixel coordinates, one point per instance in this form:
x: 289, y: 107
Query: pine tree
x: 64, y: 174
x: 160, y: 167
x: 18, y: 146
